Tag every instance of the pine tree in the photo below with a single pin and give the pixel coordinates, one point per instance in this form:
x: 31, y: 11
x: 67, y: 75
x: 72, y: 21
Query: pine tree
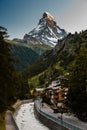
x: 7, y: 72
x: 77, y: 95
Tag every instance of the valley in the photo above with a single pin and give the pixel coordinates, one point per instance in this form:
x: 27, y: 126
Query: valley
x: 46, y: 62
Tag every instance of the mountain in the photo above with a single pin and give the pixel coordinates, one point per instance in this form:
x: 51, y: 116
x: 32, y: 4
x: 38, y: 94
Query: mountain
x: 61, y: 56
x: 47, y: 32
x: 25, y: 54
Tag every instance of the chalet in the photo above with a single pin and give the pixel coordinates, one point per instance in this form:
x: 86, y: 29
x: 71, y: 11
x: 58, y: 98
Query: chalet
x: 56, y: 93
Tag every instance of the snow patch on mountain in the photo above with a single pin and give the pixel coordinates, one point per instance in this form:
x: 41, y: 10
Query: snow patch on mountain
x: 46, y: 32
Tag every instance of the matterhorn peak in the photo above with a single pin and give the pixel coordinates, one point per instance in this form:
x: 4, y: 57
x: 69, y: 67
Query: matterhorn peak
x: 46, y: 32
x: 48, y: 15
x: 48, y: 18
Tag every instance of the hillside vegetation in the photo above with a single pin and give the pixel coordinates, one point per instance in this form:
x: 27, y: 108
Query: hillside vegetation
x: 12, y: 84
x: 62, y: 55
x: 26, y: 54
x: 43, y: 65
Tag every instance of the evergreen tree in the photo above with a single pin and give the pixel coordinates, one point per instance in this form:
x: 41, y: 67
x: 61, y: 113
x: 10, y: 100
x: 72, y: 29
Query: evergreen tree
x: 77, y: 95
x: 12, y: 84
x: 7, y: 72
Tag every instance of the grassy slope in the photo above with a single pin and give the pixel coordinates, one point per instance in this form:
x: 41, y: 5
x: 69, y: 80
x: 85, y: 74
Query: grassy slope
x: 46, y: 76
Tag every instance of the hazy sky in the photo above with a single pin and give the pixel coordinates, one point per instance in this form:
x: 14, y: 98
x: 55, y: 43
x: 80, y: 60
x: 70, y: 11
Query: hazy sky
x: 21, y: 16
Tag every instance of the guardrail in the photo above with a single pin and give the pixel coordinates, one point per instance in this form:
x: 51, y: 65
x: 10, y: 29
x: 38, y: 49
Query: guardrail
x: 57, y: 120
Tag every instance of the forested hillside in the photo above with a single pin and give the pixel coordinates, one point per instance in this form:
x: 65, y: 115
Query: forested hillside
x: 12, y: 84
x: 44, y: 65
x: 62, y: 55
x: 26, y: 54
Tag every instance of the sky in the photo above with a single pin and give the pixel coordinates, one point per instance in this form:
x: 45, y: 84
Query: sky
x: 21, y: 16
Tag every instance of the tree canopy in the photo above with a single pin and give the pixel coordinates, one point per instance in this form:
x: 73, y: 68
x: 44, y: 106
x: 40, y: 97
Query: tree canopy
x: 77, y: 95
x: 12, y: 85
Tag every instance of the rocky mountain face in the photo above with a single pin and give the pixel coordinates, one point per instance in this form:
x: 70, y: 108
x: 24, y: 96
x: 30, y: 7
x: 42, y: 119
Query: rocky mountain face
x: 47, y: 32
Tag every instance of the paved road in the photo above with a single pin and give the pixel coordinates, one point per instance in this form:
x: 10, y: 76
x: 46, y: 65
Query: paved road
x: 67, y: 118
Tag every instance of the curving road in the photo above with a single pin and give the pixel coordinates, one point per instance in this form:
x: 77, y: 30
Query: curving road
x: 26, y: 120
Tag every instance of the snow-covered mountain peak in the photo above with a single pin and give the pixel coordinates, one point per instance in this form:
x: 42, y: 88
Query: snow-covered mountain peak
x: 48, y: 16
x: 46, y: 32
x: 48, y: 19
